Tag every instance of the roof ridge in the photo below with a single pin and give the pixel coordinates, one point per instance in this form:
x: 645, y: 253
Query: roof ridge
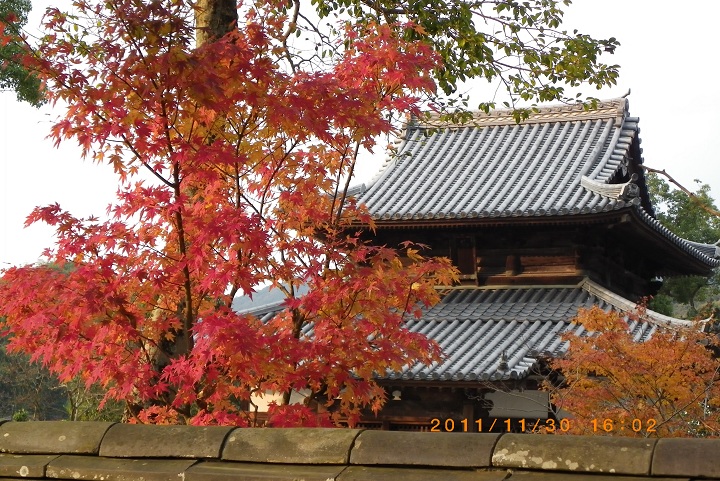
x: 613, y: 108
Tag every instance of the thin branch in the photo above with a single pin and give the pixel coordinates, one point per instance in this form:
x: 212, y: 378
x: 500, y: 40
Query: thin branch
x: 687, y: 191
x: 292, y: 27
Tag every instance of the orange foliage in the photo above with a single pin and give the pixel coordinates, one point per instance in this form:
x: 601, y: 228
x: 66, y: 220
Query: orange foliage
x: 666, y: 385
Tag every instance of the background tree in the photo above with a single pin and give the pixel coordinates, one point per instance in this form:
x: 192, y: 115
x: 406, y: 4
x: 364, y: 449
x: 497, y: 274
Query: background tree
x: 13, y: 75
x: 519, y: 45
x: 692, y: 217
x: 613, y: 385
x: 32, y: 389
x: 234, y: 155
x: 89, y: 403
x: 29, y: 387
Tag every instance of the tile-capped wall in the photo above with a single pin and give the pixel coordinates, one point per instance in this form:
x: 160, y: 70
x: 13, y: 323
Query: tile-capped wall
x: 123, y: 452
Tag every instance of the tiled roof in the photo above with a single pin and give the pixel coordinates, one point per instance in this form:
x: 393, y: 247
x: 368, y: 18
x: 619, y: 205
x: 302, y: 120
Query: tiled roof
x: 498, y: 333
x: 562, y: 161
x: 120, y: 452
x: 492, y: 334
x: 493, y: 167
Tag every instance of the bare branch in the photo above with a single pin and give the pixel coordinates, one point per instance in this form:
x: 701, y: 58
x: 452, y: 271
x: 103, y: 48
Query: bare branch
x: 687, y: 191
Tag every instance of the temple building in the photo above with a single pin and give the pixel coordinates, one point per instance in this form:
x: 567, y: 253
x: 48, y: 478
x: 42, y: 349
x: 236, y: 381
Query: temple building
x: 541, y: 218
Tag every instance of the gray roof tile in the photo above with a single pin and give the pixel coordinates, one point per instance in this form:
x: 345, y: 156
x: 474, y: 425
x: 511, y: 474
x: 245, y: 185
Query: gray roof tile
x: 476, y: 327
x: 486, y: 170
x: 521, y: 324
x: 495, y: 168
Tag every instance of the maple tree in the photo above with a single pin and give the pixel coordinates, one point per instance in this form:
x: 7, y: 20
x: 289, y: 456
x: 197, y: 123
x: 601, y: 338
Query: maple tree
x: 615, y: 383
x: 247, y: 164
x: 234, y: 149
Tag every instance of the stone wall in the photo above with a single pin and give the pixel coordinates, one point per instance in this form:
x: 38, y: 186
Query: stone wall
x: 123, y: 452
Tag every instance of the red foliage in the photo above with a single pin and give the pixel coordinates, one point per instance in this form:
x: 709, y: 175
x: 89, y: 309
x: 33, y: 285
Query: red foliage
x: 291, y: 415
x: 232, y: 171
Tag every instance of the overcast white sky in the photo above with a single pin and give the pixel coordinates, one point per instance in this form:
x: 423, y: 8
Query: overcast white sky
x: 668, y: 57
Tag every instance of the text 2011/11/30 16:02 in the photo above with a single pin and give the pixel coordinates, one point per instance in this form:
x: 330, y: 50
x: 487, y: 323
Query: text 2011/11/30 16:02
x: 564, y: 425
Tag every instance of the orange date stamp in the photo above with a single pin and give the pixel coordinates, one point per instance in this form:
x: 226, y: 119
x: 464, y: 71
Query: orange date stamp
x: 514, y: 425
x: 634, y: 425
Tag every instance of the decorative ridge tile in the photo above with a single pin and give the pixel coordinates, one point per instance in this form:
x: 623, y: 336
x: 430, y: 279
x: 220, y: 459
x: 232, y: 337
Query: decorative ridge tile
x: 610, y: 109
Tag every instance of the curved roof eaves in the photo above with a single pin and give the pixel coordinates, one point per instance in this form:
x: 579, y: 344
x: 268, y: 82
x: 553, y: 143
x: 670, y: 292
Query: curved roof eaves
x: 708, y: 253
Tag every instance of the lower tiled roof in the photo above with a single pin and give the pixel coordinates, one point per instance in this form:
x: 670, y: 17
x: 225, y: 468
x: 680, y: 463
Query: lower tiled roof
x: 500, y: 333
x: 495, y: 333
x: 122, y: 452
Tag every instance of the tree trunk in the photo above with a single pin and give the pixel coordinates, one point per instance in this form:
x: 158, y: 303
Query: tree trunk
x: 214, y: 18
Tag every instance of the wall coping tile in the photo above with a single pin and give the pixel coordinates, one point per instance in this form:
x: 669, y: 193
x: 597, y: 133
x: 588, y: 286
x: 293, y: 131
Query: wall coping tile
x: 554, y: 476
x: 155, y: 441
x: 117, y: 469
x: 424, y: 449
x: 52, y: 437
x: 374, y: 473
x: 290, y: 445
x: 24, y: 465
x: 687, y: 457
x: 600, y: 454
x: 232, y: 471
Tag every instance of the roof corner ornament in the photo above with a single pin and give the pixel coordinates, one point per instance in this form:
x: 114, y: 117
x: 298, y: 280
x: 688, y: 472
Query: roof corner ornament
x: 503, y: 365
x: 630, y: 189
x: 624, y: 165
x: 625, y: 191
x: 710, y: 250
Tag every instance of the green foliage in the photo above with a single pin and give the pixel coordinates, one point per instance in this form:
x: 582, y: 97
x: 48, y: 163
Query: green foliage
x: 29, y: 391
x: 86, y: 403
x: 662, y: 303
x: 690, y: 218
x: 682, y: 214
x: 518, y: 44
x: 13, y: 75
x: 28, y: 388
x: 21, y: 415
